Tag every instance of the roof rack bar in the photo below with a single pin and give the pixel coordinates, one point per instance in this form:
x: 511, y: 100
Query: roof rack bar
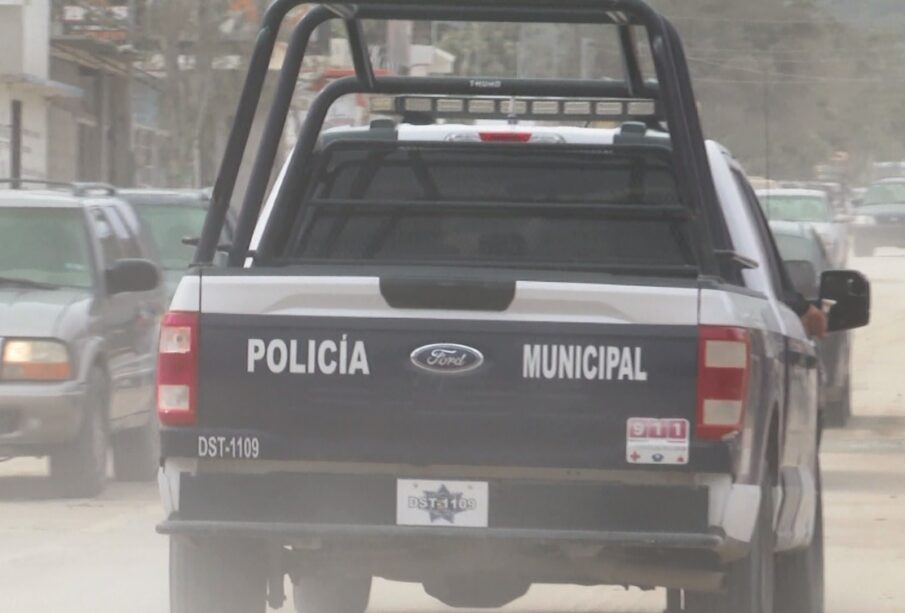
x: 488, y: 12
x: 693, y: 175
x: 675, y: 91
x: 249, y: 100
x: 77, y: 188
x: 238, y: 139
x: 83, y: 189
x: 712, y: 219
x: 297, y: 172
x: 361, y: 58
x: 538, y: 88
x: 273, y: 132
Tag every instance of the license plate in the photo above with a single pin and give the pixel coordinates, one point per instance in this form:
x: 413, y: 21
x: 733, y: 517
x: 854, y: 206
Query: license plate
x: 457, y: 504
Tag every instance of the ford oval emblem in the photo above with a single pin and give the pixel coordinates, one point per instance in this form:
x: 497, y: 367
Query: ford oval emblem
x: 447, y: 358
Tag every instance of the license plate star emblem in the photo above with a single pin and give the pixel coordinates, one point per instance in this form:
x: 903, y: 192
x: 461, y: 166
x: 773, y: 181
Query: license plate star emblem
x: 444, y: 505
x: 458, y: 504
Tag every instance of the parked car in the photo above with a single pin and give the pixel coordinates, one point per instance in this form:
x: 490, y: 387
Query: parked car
x: 812, y: 207
x: 879, y: 218
x: 80, y: 303
x: 171, y: 217
x: 806, y: 260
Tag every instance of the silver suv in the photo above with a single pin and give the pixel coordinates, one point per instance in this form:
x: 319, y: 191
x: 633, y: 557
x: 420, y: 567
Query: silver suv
x: 80, y: 302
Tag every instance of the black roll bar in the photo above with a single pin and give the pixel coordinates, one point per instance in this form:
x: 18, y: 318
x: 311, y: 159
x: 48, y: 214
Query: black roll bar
x: 269, y: 145
x: 673, y: 92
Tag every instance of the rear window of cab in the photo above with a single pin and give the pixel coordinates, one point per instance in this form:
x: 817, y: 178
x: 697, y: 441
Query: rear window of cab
x: 502, y: 205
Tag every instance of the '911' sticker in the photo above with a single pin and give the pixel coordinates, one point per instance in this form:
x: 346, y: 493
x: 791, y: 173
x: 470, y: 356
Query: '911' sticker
x: 657, y: 441
x: 229, y: 447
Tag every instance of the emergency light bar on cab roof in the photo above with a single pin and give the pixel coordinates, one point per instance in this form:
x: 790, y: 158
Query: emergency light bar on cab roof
x: 498, y: 107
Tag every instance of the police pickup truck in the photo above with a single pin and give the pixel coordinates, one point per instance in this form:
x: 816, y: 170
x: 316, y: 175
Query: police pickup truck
x: 479, y: 356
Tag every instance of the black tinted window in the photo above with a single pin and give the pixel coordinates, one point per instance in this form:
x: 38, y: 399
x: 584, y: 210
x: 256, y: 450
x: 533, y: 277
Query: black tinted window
x: 494, y: 206
x: 445, y: 175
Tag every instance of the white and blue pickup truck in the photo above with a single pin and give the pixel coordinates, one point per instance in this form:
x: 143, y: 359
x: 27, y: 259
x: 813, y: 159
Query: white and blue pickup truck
x: 479, y: 356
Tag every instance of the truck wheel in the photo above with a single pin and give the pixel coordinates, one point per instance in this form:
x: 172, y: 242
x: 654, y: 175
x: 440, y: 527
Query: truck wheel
x: 332, y: 593
x: 136, y: 452
x: 217, y: 576
x: 799, y: 575
x: 79, y: 469
x: 837, y: 413
x: 749, y: 582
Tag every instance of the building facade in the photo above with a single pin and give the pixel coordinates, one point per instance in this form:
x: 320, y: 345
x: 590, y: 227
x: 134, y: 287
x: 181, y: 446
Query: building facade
x: 26, y: 89
x: 69, y: 93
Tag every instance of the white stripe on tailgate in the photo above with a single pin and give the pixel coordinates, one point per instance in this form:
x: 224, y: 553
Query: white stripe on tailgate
x: 360, y: 297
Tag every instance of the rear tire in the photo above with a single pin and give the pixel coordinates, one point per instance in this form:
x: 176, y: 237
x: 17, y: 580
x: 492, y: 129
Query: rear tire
x: 217, y: 576
x: 799, y: 575
x: 136, y: 452
x: 332, y: 593
x: 749, y: 582
x: 79, y: 470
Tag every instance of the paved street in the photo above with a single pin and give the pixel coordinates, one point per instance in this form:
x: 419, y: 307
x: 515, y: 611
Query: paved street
x: 102, y: 556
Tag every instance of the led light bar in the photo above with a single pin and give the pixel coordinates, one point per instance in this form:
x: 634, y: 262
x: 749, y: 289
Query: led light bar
x: 516, y: 107
x: 482, y: 106
x: 546, y: 107
x: 450, y: 105
x: 538, y: 109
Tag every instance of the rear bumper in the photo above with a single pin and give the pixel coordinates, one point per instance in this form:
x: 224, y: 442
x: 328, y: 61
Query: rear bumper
x: 674, y: 560
x: 35, y: 418
x: 357, y: 513
x: 338, y: 533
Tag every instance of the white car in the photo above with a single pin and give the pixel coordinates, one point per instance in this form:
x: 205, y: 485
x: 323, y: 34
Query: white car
x: 811, y: 207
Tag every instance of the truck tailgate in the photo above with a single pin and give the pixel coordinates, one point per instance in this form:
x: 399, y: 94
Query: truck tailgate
x: 352, y: 386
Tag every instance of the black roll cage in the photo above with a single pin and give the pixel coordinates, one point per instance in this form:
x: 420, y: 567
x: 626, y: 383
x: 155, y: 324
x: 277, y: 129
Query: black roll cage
x: 672, y: 91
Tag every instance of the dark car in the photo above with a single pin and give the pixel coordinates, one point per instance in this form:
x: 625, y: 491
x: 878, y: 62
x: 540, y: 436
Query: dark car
x: 879, y: 219
x: 80, y: 303
x: 806, y: 259
x: 171, y: 216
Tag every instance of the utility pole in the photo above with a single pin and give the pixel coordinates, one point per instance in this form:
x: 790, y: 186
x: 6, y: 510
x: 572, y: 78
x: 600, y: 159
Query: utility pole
x: 587, y: 58
x: 399, y: 53
x: 767, y: 134
x: 15, y: 143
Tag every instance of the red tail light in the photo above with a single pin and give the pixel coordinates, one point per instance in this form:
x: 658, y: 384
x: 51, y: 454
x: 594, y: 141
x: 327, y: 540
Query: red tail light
x: 724, y: 366
x: 505, y: 137
x: 177, y: 369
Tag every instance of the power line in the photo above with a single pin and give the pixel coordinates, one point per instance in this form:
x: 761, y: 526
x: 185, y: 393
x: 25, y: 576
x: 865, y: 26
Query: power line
x: 746, y: 21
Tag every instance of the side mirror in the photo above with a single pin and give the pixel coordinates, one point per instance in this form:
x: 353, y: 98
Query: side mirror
x: 804, y: 277
x: 849, y: 293
x: 132, y: 275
